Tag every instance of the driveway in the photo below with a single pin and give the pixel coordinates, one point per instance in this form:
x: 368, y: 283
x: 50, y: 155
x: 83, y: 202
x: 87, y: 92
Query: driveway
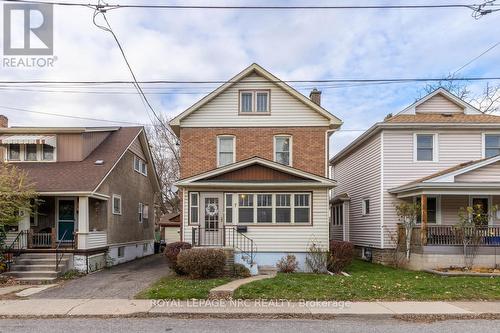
x: 121, y: 281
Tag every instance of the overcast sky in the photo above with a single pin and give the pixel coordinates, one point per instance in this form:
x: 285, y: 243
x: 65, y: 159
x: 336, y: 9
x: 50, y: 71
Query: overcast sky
x: 215, y: 45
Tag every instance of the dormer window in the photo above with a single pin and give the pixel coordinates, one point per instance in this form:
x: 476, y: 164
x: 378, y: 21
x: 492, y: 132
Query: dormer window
x: 30, y: 152
x: 254, y: 101
x: 14, y: 152
x: 47, y: 153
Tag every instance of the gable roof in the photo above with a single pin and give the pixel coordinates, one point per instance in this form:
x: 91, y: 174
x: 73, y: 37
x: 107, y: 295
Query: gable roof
x: 85, y: 175
x: 300, y: 178
x: 255, y: 68
x: 407, y: 120
x: 447, y: 175
x: 468, y: 109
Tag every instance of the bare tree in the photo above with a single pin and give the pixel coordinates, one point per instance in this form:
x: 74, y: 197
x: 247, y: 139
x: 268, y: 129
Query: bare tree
x: 488, y: 101
x: 165, y: 150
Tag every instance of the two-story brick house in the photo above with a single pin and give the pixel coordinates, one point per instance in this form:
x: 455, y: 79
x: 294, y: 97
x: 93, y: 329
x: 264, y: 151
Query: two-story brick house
x: 254, y: 168
x: 440, y: 152
x: 96, y: 188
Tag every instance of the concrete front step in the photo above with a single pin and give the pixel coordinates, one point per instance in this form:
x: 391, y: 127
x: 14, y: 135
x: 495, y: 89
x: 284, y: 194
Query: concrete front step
x: 33, y: 267
x: 34, y: 280
x: 22, y: 261
x: 38, y: 256
x: 33, y: 274
x: 267, y: 270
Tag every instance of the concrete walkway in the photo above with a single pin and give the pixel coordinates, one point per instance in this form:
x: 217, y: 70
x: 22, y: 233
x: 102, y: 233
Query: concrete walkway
x: 121, y: 281
x: 240, y: 308
x: 226, y: 291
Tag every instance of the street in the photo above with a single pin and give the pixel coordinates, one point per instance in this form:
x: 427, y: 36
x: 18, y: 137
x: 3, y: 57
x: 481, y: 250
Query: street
x: 354, y: 325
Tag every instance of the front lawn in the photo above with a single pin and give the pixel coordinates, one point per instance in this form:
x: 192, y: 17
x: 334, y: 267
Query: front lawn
x: 369, y: 282
x: 181, y: 288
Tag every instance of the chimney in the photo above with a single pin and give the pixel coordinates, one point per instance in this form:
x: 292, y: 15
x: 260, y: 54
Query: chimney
x: 315, y: 96
x: 4, y: 121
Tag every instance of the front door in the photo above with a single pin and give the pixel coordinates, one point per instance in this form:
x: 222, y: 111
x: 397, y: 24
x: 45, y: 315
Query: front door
x: 212, y: 231
x: 66, y: 218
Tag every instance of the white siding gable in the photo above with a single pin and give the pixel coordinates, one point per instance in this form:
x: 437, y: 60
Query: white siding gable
x: 439, y: 104
x: 286, y: 110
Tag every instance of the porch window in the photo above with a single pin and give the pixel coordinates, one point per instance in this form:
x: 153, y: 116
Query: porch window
x: 283, y: 208
x: 225, y: 148
x: 14, y: 152
x: 194, y: 207
x: 432, y: 210
x: 338, y: 215
x: 245, y: 210
x: 117, y: 204
x: 425, y: 150
x: 47, y: 153
x: 491, y: 145
x: 229, y: 208
x: 264, y: 208
x: 301, y: 208
x: 282, y: 149
x: 30, y: 152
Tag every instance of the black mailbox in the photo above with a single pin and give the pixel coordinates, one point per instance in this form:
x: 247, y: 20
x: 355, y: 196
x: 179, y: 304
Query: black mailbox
x: 242, y: 228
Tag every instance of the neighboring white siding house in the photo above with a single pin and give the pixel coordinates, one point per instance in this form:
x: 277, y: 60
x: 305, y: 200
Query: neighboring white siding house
x: 386, y: 165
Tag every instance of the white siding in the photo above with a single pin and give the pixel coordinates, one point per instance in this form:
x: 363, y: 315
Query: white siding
x: 281, y: 238
x: 359, y: 175
x: 455, y: 146
x: 171, y: 234
x: 438, y: 104
x: 489, y: 173
x: 286, y: 110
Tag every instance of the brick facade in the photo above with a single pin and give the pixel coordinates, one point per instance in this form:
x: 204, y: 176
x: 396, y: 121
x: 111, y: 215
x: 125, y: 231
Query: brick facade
x: 199, y: 147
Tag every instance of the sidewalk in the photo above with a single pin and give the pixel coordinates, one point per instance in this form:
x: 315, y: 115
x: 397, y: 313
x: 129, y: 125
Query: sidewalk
x: 237, y: 308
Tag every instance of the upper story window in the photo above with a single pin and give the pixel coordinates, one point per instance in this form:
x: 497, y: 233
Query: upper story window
x: 425, y: 148
x: 491, y: 145
x: 116, y: 204
x: 254, y: 101
x: 140, y: 166
x: 30, y: 152
x: 225, y: 150
x: 283, y: 149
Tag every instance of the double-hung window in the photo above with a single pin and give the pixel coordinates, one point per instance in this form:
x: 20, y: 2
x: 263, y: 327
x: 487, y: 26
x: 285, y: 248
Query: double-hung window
x: 140, y: 166
x: 225, y: 150
x: 30, y: 152
x: 425, y: 148
x: 117, y: 204
x: 14, y: 152
x: 283, y: 149
x: 283, y: 208
x: 194, y: 207
x: 254, y: 102
x: 246, y: 209
x: 301, y: 208
x: 264, y: 208
x: 491, y: 145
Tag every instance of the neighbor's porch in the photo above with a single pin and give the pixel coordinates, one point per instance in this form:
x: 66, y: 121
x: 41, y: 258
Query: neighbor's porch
x: 62, y: 222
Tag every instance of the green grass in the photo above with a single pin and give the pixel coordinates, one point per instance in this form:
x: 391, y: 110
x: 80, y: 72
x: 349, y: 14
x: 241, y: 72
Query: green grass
x: 369, y: 282
x: 181, y: 288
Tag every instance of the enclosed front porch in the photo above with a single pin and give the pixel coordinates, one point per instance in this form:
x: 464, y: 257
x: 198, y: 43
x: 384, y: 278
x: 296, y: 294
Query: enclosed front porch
x: 61, y: 222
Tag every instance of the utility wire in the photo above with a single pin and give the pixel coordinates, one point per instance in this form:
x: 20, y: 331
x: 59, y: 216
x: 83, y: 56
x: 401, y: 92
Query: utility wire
x: 145, y: 100
x: 475, y: 58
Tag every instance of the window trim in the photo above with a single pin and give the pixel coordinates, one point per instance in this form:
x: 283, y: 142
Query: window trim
x: 364, y: 212
x: 141, y: 163
x: 190, y: 218
x: 290, y: 137
x: 218, y: 148
x: 435, y: 147
x: 483, y: 142
x: 254, y: 111
x: 232, y: 207
x: 117, y: 196
x: 22, y: 154
x: 274, y: 206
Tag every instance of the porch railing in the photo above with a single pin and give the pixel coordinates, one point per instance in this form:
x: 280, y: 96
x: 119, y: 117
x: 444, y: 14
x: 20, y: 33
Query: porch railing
x: 225, y: 237
x: 449, y: 235
x: 14, y: 246
x: 41, y: 240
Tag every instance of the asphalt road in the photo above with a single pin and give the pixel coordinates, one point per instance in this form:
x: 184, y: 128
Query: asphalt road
x: 121, y: 281
x: 152, y: 325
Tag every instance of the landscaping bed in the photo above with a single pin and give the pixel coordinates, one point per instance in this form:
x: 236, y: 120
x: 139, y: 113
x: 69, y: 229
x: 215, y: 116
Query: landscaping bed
x: 371, y: 282
x: 182, y: 288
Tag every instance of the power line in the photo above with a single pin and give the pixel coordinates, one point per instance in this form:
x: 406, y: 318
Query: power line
x: 477, y: 57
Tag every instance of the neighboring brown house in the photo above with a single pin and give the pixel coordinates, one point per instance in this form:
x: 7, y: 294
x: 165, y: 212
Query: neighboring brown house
x: 170, y: 225
x: 254, y: 169
x: 96, y: 188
